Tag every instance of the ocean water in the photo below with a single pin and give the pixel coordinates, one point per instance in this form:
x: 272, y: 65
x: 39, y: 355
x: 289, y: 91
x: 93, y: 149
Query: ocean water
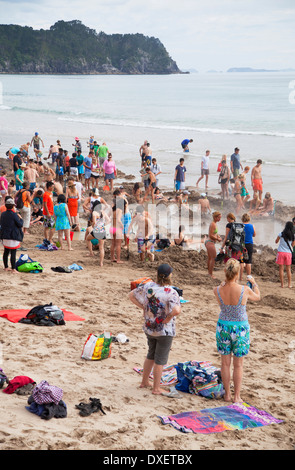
x: 253, y: 111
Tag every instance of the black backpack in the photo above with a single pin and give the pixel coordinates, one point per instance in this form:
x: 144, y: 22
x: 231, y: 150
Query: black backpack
x: 44, y: 315
x: 236, y: 237
x: 19, y: 203
x: 3, y: 378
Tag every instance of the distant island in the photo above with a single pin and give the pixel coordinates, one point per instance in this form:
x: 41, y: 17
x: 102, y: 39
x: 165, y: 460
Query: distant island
x: 249, y: 69
x: 69, y: 47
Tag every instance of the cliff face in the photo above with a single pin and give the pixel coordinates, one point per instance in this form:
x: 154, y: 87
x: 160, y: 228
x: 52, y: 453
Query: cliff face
x: 72, y: 48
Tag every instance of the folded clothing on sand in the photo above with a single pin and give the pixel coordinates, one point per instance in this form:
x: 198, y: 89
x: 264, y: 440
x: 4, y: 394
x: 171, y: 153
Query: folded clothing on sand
x: 17, y: 382
x: 46, y: 393
x: 47, y: 410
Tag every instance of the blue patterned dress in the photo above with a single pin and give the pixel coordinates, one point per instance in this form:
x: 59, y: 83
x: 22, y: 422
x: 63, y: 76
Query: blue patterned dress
x: 62, y: 221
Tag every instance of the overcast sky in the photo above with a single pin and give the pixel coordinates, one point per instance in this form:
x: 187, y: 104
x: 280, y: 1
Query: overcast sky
x: 205, y: 35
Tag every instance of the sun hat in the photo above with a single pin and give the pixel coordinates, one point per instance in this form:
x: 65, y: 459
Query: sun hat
x: 9, y: 202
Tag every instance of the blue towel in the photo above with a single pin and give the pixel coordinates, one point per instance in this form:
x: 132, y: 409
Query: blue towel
x: 75, y: 267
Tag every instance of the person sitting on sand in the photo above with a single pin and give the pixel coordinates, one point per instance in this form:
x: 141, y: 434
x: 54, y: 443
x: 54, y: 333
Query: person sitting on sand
x: 161, y: 305
x: 267, y: 206
x: 97, y: 230
x: 205, y: 204
x: 255, y: 203
x: 159, y: 196
x: 48, y: 173
x: 136, y: 191
x: 36, y: 215
x: 233, y: 330
x: 284, y: 255
x: 182, y: 239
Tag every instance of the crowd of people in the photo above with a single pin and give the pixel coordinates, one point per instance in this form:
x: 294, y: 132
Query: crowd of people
x: 53, y: 191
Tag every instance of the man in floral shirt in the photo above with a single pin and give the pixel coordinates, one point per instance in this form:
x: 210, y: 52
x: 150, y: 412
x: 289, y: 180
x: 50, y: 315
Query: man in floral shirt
x: 161, y: 304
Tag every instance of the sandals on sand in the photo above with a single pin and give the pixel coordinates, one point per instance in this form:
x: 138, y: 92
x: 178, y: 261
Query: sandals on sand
x: 87, y: 409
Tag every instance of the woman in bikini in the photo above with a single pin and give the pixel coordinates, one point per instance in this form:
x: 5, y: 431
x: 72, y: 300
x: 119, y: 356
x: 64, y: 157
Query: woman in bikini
x: 237, y: 195
x: 212, y: 239
x: 232, y: 329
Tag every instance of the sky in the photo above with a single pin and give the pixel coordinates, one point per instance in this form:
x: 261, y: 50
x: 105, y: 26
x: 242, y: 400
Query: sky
x: 203, y: 35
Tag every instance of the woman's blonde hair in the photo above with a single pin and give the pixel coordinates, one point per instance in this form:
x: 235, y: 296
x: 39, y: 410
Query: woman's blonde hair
x: 246, y: 218
x: 163, y: 280
x: 231, y: 216
x: 216, y: 214
x: 232, y: 268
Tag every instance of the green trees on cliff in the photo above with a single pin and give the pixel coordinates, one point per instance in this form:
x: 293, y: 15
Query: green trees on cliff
x: 71, y: 47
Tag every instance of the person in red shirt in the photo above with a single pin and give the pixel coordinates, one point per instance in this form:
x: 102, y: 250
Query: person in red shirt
x: 48, y: 212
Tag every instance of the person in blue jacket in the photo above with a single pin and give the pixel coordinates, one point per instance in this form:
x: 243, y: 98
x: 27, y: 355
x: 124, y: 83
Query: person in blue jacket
x: 184, y: 144
x: 11, y: 233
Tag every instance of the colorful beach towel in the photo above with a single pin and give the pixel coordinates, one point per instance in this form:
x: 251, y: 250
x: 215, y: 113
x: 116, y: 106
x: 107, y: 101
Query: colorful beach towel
x: 169, y: 375
x: 238, y: 416
x: 15, y: 315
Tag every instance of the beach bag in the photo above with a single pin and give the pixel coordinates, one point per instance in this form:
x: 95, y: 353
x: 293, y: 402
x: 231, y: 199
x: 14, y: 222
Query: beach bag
x: 26, y: 265
x: 236, y: 237
x: 33, y: 267
x: 139, y: 282
x: 97, y: 348
x: 179, y: 291
x: 3, y: 378
x: 293, y: 253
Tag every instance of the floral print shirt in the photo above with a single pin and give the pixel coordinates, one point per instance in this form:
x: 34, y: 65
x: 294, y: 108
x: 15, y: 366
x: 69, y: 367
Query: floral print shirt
x: 158, y: 302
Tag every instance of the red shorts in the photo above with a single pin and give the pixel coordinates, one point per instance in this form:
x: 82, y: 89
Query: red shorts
x: 257, y: 185
x: 284, y: 258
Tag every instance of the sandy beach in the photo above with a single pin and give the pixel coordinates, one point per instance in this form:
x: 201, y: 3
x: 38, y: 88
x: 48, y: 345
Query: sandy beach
x: 100, y: 296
